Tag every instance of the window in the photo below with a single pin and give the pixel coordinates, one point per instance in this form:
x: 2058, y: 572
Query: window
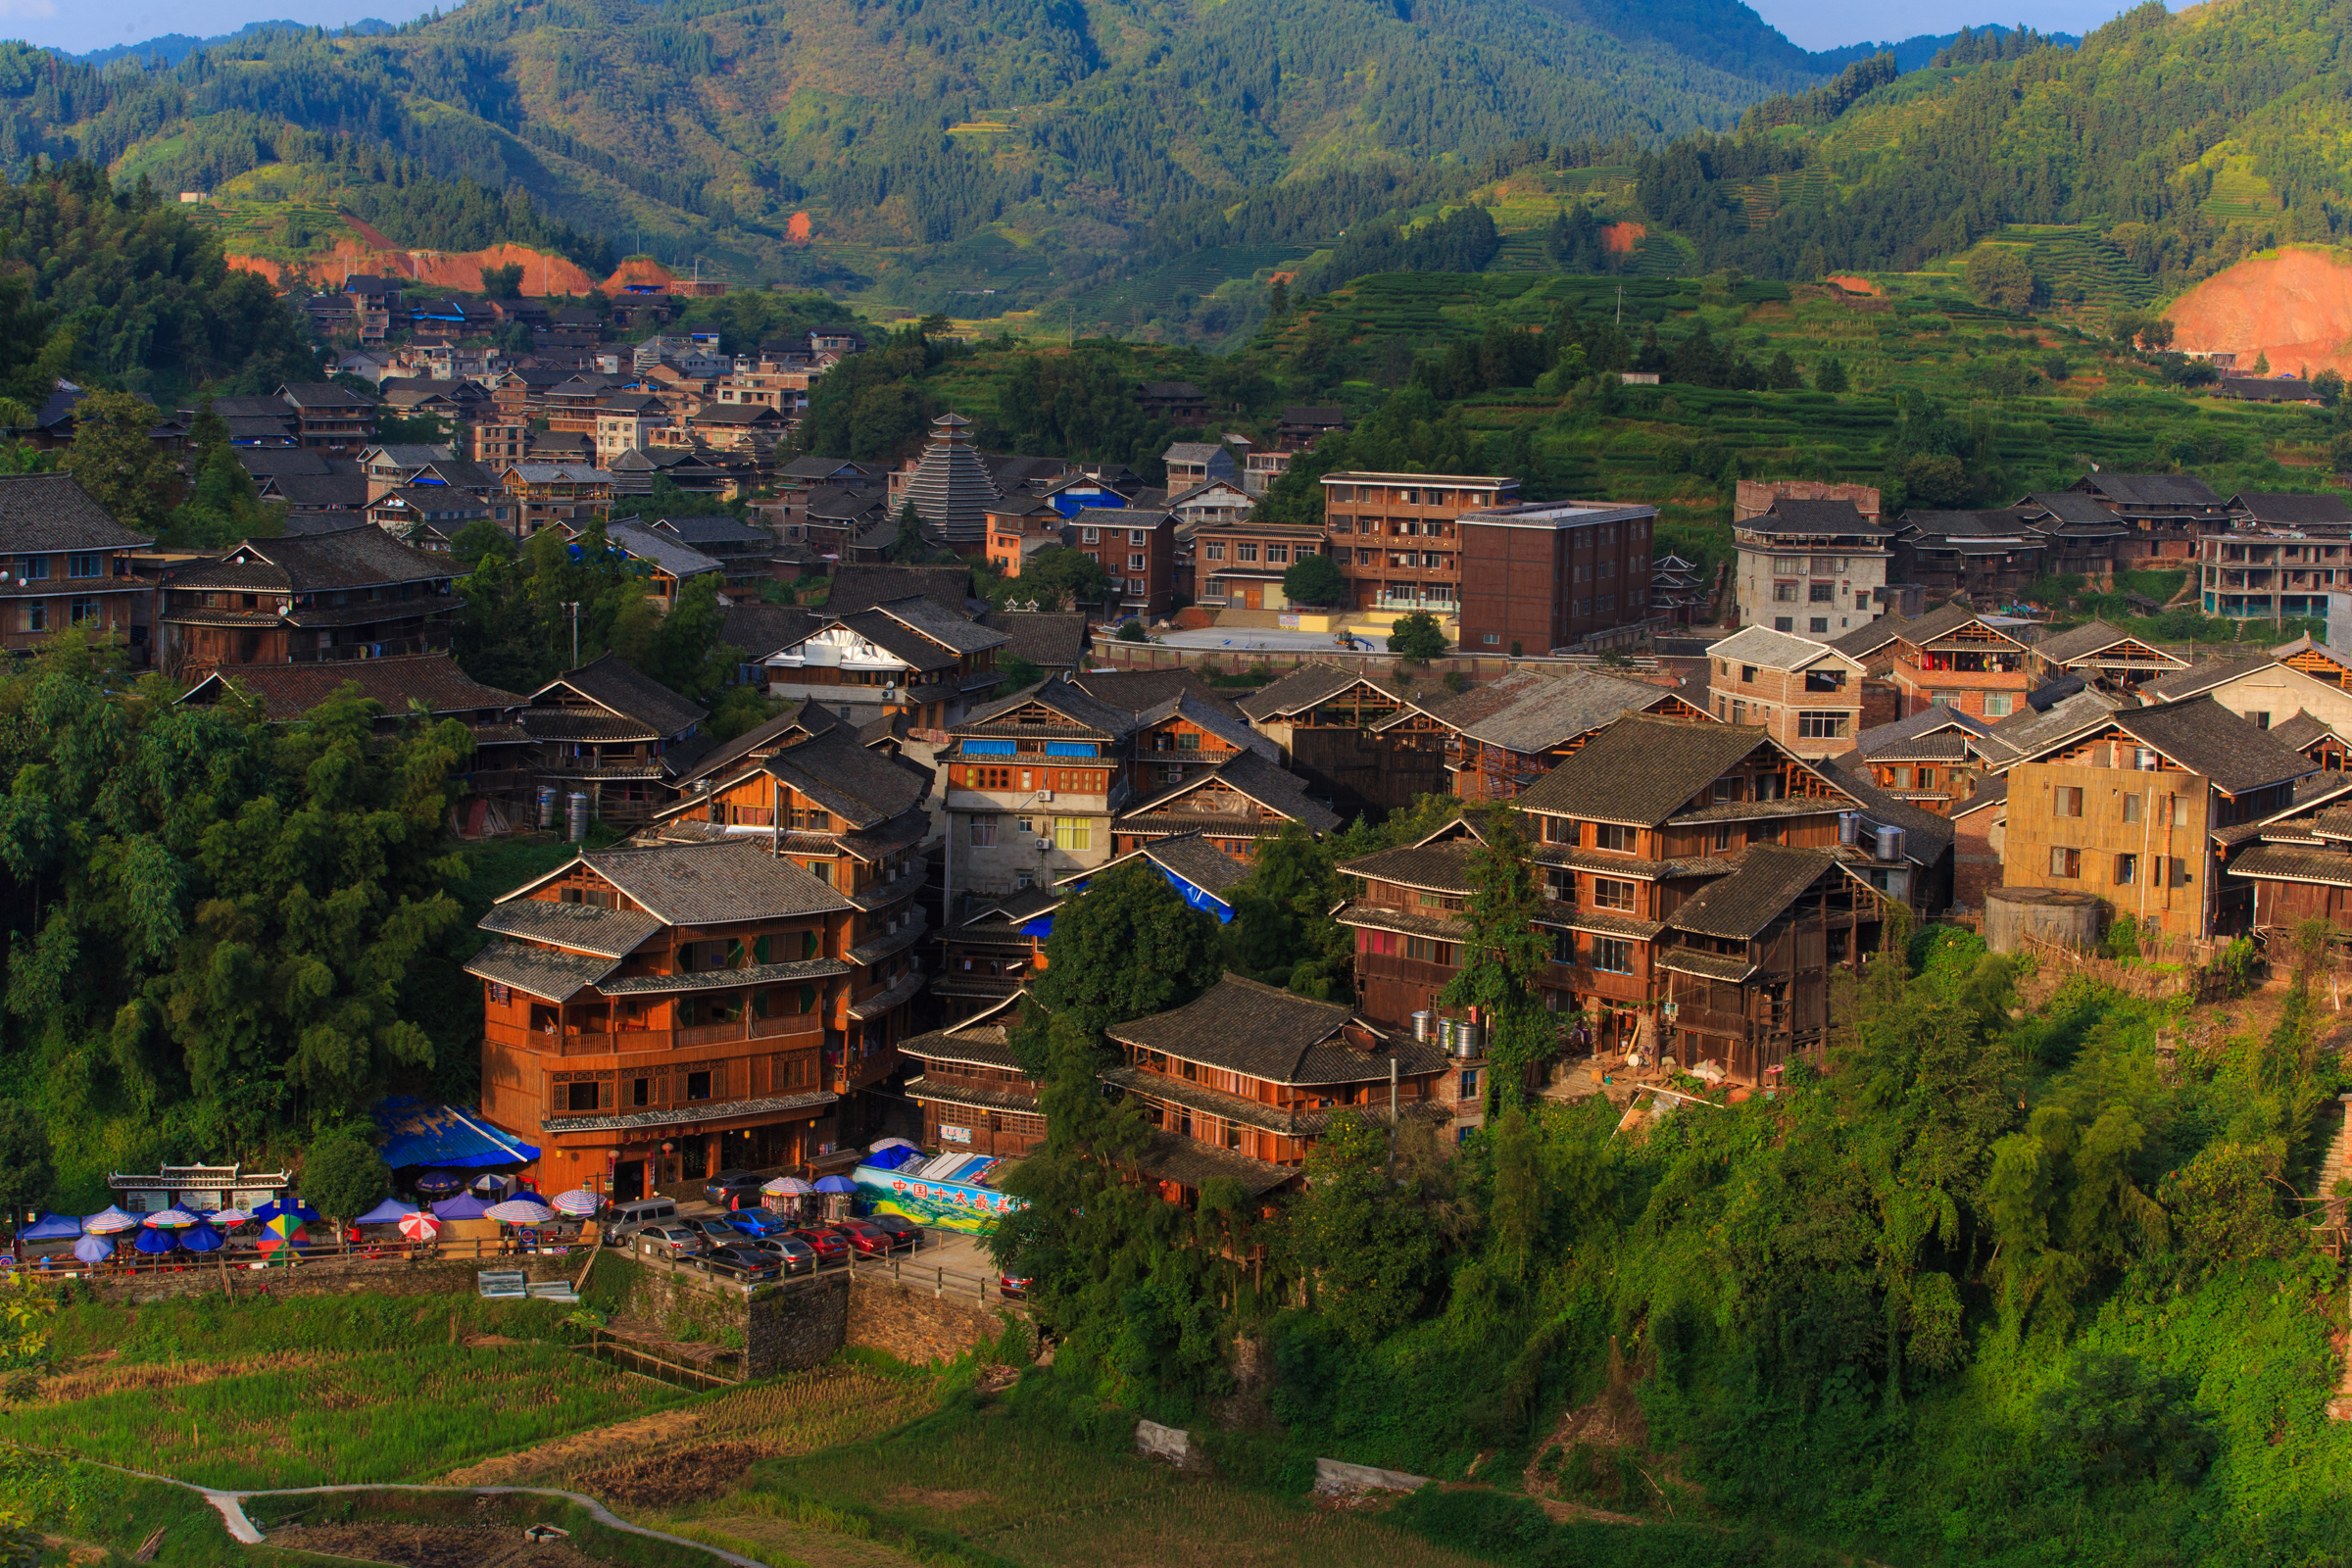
x: 1613, y: 836
x: 2065, y: 863
x: 984, y: 832
x: 989, y: 778
x: 1748, y: 674
x: 1828, y: 565
x: 1074, y: 833
x: 33, y: 568
x: 1738, y: 712
x: 579, y: 1096
x: 1609, y: 893
x: 1821, y: 593
x: 2126, y: 871
x: 2180, y: 810
x: 1613, y: 954
x: 2066, y: 799
x: 1214, y: 552
x: 1489, y: 638
x: 1823, y: 727
x: 1278, y: 555
x: 1998, y: 704
x: 1135, y: 536
x: 1783, y: 623
x: 1819, y: 624
x: 94, y: 565
x: 36, y: 616
x: 1562, y: 830
x: 1244, y: 552
x: 1789, y: 566
x: 698, y: 1086
x: 2181, y: 876
x: 2143, y: 759
x: 1563, y: 947
x: 2260, y: 721
x: 1784, y: 593
x: 822, y: 870
x: 641, y: 1091
x: 82, y: 612
x: 1135, y: 562
x: 1091, y: 536
x: 1428, y: 950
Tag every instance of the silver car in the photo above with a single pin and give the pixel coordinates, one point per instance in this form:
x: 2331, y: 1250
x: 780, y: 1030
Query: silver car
x: 674, y: 1240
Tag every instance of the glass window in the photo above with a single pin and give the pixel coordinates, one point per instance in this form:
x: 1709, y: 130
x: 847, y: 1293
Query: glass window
x: 1135, y: 536
x: 2065, y: 863
x: 1614, y: 954
x: 1276, y: 556
x: 1609, y: 893
x: 1613, y: 836
x: 1213, y: 552
x: 1998, y: 704
x: 94, y: 565
x: 1821, y: 593
x: 984, y: 832
x: 2131, y: 807
x: 1092, y: 536
x: 84, y: 611
x: 698, y: 1086
x: 1784, y: 593
x: 1561, y: 830
x: 1075, y: 833
x: 2066, y: 799
x: 1244, y: 552
x: 1820, y: 726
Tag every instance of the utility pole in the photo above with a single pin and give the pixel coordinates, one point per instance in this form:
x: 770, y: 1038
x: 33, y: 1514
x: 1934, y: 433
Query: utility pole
x: 1392, y: 1120
x: 571, y: 606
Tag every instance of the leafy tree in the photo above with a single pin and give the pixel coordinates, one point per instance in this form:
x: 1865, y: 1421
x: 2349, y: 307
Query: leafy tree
x: 1831, y: 377
x: 1314, y: 579
x: 503, y: 282
x: 1503, y: 955
x: 1016, y: 672
x: 1057, y: 576
x: 1131, y: 947
x: 343, y: 1177
x: 119, y: 462
x: 1368, y: 1249
x: 1416, y: 635
x: 2120, y: 1420
x: 27, y: 1172
x: 1282, y: 932
x: 1131, y: 630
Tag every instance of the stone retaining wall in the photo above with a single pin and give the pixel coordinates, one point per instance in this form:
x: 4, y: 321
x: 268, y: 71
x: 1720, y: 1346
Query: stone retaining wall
x: 916, y: 1325
x: 326, y: 1276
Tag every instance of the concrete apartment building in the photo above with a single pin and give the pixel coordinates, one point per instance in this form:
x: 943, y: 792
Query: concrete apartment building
x: 1818, y: 568
x: 1395, y: 537
x: 1543, y: 574
x: 1807, y: 695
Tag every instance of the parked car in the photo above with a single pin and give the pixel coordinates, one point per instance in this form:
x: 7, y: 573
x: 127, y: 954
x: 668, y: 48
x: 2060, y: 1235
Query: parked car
x: 742, y: 1262
x: 905, y: 1233
x: 830, y: 1246
x: 715, y: 1230
x: 797, y: 1255
x: 758, y: 1222
x: 866, y: 1238
x: 733, y: 1188
x: 627, y: 1220
x: 1013, y: 1286
x: 675, y: 1240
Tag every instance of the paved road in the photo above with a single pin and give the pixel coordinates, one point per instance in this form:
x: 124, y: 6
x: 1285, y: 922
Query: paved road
x: 1243, y: 639
x: 230, y: 1505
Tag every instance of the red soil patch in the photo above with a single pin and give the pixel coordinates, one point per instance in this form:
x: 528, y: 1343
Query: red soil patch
x: 637, y: 270
x: 1852, y: 285
x: 2295, y: 307
x: 1621, y: 238
x: 800, y: 228
x: 542, y: 275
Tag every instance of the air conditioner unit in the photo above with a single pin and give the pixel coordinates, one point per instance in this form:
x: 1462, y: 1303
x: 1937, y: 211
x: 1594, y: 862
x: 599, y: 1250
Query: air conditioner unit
x: 1044, y: 844
x: 1045, y: 795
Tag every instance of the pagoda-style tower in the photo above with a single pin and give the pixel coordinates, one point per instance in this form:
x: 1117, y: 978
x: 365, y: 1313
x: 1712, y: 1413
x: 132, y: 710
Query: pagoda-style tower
x: 952, y: 489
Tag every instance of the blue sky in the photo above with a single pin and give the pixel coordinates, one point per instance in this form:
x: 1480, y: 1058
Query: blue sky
x: 83, y: 25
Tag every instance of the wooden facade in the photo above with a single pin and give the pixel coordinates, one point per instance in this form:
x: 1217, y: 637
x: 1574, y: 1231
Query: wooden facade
x: 1953, y: 658
x: 974, y: 1096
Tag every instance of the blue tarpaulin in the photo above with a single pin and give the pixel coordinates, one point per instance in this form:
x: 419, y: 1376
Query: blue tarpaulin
x: 418, y: 1132
x: 1197, y: 898
x: 51, y: 1228
x: 987, y: 748
x: 1072, y: 749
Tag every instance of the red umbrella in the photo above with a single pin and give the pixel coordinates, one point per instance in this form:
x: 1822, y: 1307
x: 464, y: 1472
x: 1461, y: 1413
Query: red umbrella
x: 419, y: 1226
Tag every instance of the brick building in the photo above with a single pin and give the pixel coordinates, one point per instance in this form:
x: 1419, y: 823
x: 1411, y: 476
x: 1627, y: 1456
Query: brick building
x: 1806, y: 693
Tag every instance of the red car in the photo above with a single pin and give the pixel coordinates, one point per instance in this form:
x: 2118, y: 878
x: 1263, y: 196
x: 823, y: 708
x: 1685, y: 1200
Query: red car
x: 1013, y: 1286
x: 868, y: 1239
x: 829, y: 1245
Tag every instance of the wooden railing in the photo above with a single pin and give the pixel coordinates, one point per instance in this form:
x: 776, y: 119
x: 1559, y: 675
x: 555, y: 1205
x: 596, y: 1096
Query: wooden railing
x: 331, y: 1250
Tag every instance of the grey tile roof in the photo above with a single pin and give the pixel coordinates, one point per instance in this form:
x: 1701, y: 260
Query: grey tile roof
x: 904, y: 988
x: 361, y: 556
x: 1926, y: 836
x: 863, y: 787
x: 1709, y: 966
x: 1081, y: 715
x: 1358, y: 914
x: 1641, y: 771
x: 1993, y: 790
x: 813, y: 717
x: 1187, y: 854
x: 717, y: 1110
x: 713, y: 884
x: 2152, y: 489
x: 673, y: 555
x: 2081, y: 642
x: 2286, y: 863
x: 862, y: 587
x: 750, y: 974
x: 286, y: 692
x: 1941, y: 621
x: 1740, y: 905
x: 953, y: 628
x: 2205, y: 677
x: 1926, y: 721
x: 1046, y: 638
x: 1440, y: 867
x: 2069, y: 505
x: 895, y: 637
x: 1792, y: 515
x: 1304, y: 687
x: 1263, y: 1032
x: 1769, y: 649
x: 52, y: 512
x: 1553, y: 710
x: 759, y: 630
x: 613, y: 933
x: 2301, y: 730
x: 2291, y: 510
x: 981, y: 1041
x: 938, y: 1090
x: 1868, y: 637
x: 618, y: 686
x: 1189, y: 1162
x: 538, y: 971
x: 1267, y: 783
x: 2036, y: 730
x: 1139, y: 691
x: 2206, y: 738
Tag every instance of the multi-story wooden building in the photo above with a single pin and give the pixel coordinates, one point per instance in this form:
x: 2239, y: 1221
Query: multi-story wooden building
x: 1357, y: 738
x: 2111, y: 660
x: 995, y: 950
x: 1500, y: 738
x: 357, y: 593
x: 1934, y: 760
x: 1957, y: 657
x: 615, y: 735
x: 2162, y: 514
x: 1394, y: 536
x: 2144, y: 810
x: 547, y: 495
x: 330, y: 417
x: 655, y: 1015
x: 1992, y: 556
x: 973, y: 1094
x: 1232, y: 808
x: 1252, y: 1075
x: 906, y: 657
x: 1034, y: 783
x: 65, y: 566
x: 1808, y: 694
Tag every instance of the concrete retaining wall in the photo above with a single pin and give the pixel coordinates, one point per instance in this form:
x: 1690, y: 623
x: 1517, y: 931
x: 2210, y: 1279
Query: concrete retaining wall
x: 1337, y: 1475
x: 328, y: 1276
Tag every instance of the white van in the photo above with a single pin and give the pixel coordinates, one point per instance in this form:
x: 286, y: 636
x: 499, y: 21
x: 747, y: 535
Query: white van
x: 627, y: 1220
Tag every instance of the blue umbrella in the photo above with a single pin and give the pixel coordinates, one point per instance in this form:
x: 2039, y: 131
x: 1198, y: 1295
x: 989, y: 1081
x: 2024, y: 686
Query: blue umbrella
x: 298, y: 1209
x: 835, y: 1184
x: 439, y: 1181
x: 201, y: 1239
x: 155, y: 1241
x: 93, y: 1248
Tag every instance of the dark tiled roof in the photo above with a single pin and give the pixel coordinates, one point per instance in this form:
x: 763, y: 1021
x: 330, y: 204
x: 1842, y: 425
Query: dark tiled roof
x: 2286, y: 863
x: 1440, y: 867
x: 1187, y: 854
x: 895, y: 637
x: 1792, y: 515
x: 1354, y: 912
x: 1554, y: 711
x: 1140, y: 691
x: 1740, y: 905
x: 713, y: 884
x: 904, y: 989
x: 2068, y: 506
x: 750, y: 974
x: 2301, y: 730
x: 1941, y: 621
x: 2291, y: 510
x: 1303, y: 687
x: 981, y: 1041
x: 673, y: 555
x: 1047, y: 639
x: 1925, y: 721
x: 52, y: 512
x: 2026, y: 734
x: 862, y: 786
x: 318, y: 489
x: 2080, y: 643
x: 613, y: 684
x: 613, y: 933
x: 862, y: 587
x: 361, y: 556
x: 1709, y: 966
x: 1275, y: 1035
x: 1641, y: 771
x: 1189, y: 1162
x: 542, y: 972
x: 2206, y: 738
x: 1926, y: 836
x: 947, y: 1093
x: 1085, y: 715
x: 2205, y: 677
x: 289, y: 691
x: 951, y: 627
x: 2152, y: 489
x: 1871, y: 636
x: 813, y: 717
x: 805, y: 1100
x: 323, y: 395
x: 759, y: 630
x: 1993, y: 790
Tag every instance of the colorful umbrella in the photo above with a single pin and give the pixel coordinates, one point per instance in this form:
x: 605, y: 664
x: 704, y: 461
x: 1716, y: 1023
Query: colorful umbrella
x: 281, y: 1234
x: 787, y: 1187
x: 880, y: 1144
x: 229, y: 1219
x: 495, y: 1182
x: 463, y: 1206
x: 303, y: 1214
x: 110, y: 1223
x: 419, y: 1227
x: 835, y: 1184
x: 93, y: 1248
x: 579, y: 1202
x: 439, y: 1181
x: 521, y: 1211
x: 201, y: 1239
x: 155, y: 1241
x: 171, y: 1219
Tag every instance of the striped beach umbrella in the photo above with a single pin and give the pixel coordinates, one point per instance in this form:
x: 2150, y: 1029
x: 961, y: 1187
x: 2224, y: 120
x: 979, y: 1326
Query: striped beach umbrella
x: 172, y: 1219
x: 578, y: 1202
x: 520, y: 1211
x: 93, y: 1249
x: 112, y: 1222
x: 419, y: 1226
x: 787, y: 1187
x: 229, y: 1219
